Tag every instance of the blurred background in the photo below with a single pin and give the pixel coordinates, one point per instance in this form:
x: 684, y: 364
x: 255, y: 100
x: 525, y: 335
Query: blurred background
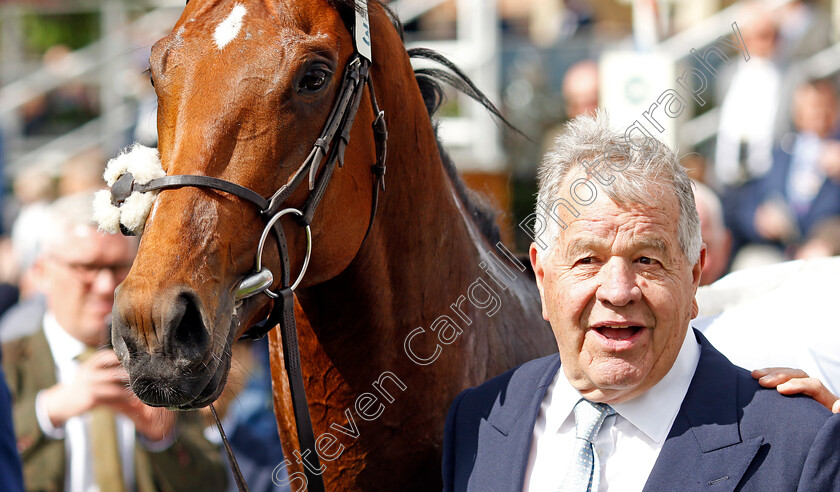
x: 744, y: 92
x: 757, y: 125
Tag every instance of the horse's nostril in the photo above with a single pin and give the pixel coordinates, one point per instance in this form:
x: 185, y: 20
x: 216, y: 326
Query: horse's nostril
x: 122, y: 347
x: 187, y: 335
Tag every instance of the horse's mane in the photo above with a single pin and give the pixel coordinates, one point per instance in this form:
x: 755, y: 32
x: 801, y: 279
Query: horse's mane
x: 431, y: 81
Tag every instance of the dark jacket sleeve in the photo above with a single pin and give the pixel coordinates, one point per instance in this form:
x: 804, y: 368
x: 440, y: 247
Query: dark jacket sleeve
x: 11, y: 474
x: 449, y: 451
x: 822, y: 466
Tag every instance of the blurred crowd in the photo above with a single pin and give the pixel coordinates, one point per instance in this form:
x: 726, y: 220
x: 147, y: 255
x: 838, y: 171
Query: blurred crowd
x: 768, y: 189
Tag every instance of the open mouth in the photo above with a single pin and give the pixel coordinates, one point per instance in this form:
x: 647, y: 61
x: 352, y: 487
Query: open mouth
x: 618, y: 333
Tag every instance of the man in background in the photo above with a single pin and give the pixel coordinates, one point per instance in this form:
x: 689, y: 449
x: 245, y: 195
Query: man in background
x: 715, y: 235
x: 580, y: 89
x: 782, y: 207
x: 79, y: 428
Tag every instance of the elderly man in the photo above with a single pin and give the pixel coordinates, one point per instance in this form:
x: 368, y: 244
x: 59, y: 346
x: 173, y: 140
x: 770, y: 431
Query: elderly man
x: 634, y: 400
x: 79, y: 428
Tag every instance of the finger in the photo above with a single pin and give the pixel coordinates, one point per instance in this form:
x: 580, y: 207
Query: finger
x: 104, y: 359
x: 127, y: 408
x: 812, y: 387
x: 109, y: 376
x: 771, y: 377
x: 757, y: 373
x: 107, y: 393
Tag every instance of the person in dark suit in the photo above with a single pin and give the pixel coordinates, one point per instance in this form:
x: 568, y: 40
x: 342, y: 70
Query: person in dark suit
x: 79, y: 427
x: 11, y: 475
x: 783, y: 207
x: 634, y: 400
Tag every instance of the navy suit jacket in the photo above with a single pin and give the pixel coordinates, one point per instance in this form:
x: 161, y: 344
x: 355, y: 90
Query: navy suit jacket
x: 730, y: 434
x: 740, y: 205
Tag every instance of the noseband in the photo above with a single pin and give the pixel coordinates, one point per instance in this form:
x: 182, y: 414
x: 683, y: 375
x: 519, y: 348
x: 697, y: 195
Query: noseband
x: 330, y: 148
x: 339, y: 124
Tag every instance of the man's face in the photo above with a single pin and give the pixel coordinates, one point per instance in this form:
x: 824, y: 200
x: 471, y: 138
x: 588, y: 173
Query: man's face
x: 815, y: 110
x: 718, y: 243
x: 80, y: 278
x: 619, y: 293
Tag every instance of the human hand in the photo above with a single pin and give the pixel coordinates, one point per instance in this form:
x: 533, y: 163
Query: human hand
x: 101, y: 380
x: 830, y: 159
x: 773, y: 222
x: 152, y: 422
x: 789, y: 381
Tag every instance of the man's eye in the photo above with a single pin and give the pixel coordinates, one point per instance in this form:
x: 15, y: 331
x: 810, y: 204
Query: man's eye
x: 644, y: 260
x: 586, y: 261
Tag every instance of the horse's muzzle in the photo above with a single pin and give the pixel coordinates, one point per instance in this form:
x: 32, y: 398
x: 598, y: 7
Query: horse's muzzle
x: 167, y: 349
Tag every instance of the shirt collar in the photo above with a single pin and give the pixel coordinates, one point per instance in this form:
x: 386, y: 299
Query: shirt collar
x: 62, y: 345
x: 654, y: 411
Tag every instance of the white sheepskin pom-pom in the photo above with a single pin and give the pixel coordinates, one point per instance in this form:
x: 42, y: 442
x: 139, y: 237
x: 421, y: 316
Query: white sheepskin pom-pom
x: 144, y: 165
x: 135, y: 209
x: 104, y: 213
x: 141, y: 161
x: 116, y: 167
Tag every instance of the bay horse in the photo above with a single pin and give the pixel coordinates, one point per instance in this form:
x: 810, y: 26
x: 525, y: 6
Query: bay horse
x: 403, y: 312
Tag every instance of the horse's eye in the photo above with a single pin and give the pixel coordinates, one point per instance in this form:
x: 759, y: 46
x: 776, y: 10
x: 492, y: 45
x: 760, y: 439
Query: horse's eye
x: 314, y: 80
x: 148, y: 72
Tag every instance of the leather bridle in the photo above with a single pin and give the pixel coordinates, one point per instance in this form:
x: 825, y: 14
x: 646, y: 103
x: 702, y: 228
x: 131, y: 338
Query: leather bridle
x: 339, y: 124
x: 330, y: 148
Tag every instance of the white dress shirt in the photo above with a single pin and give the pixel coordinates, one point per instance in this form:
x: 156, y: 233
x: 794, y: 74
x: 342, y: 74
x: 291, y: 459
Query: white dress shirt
x: 79, y: 468
x: 627, y: 444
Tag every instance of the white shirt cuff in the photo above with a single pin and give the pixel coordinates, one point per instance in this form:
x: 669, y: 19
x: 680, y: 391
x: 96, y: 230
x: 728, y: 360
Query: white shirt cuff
x: 43, y: 418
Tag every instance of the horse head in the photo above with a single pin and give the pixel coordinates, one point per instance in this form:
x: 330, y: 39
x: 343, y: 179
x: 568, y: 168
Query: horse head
x: 245, y: 88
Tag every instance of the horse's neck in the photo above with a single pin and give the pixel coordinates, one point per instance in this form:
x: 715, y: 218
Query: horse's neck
x: 423, y: 254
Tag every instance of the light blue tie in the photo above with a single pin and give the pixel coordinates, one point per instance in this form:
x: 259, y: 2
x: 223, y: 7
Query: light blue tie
x: 585, y: 470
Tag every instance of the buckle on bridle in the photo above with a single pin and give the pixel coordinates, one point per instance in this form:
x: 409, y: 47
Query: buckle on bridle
x: 261, y: 279
x: 122, y: 189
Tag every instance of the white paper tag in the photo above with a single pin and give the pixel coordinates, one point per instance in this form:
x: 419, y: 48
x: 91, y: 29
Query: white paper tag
x: 362, y: 36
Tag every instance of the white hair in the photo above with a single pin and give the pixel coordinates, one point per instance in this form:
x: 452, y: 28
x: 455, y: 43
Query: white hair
x: 643, y: 171
x: 65, y: 215
x: 28, y: 232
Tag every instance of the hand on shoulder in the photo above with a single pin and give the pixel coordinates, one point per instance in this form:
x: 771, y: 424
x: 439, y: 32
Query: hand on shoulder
x: 788, y: 381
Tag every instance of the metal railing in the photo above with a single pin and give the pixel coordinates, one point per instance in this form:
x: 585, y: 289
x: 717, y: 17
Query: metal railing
x: 100, y: 61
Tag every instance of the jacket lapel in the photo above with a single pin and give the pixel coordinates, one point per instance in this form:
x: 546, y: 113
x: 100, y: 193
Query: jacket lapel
x: 704, y: 449
x: 504, y: 438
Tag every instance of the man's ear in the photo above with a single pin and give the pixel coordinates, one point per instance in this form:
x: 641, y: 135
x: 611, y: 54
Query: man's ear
x: 698, y: 267
x: 37, y: 273
x: 696, y: 271
x: 539, y: 274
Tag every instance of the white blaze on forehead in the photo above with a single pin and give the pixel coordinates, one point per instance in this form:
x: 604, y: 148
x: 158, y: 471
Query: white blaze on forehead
x: 229, y: 28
